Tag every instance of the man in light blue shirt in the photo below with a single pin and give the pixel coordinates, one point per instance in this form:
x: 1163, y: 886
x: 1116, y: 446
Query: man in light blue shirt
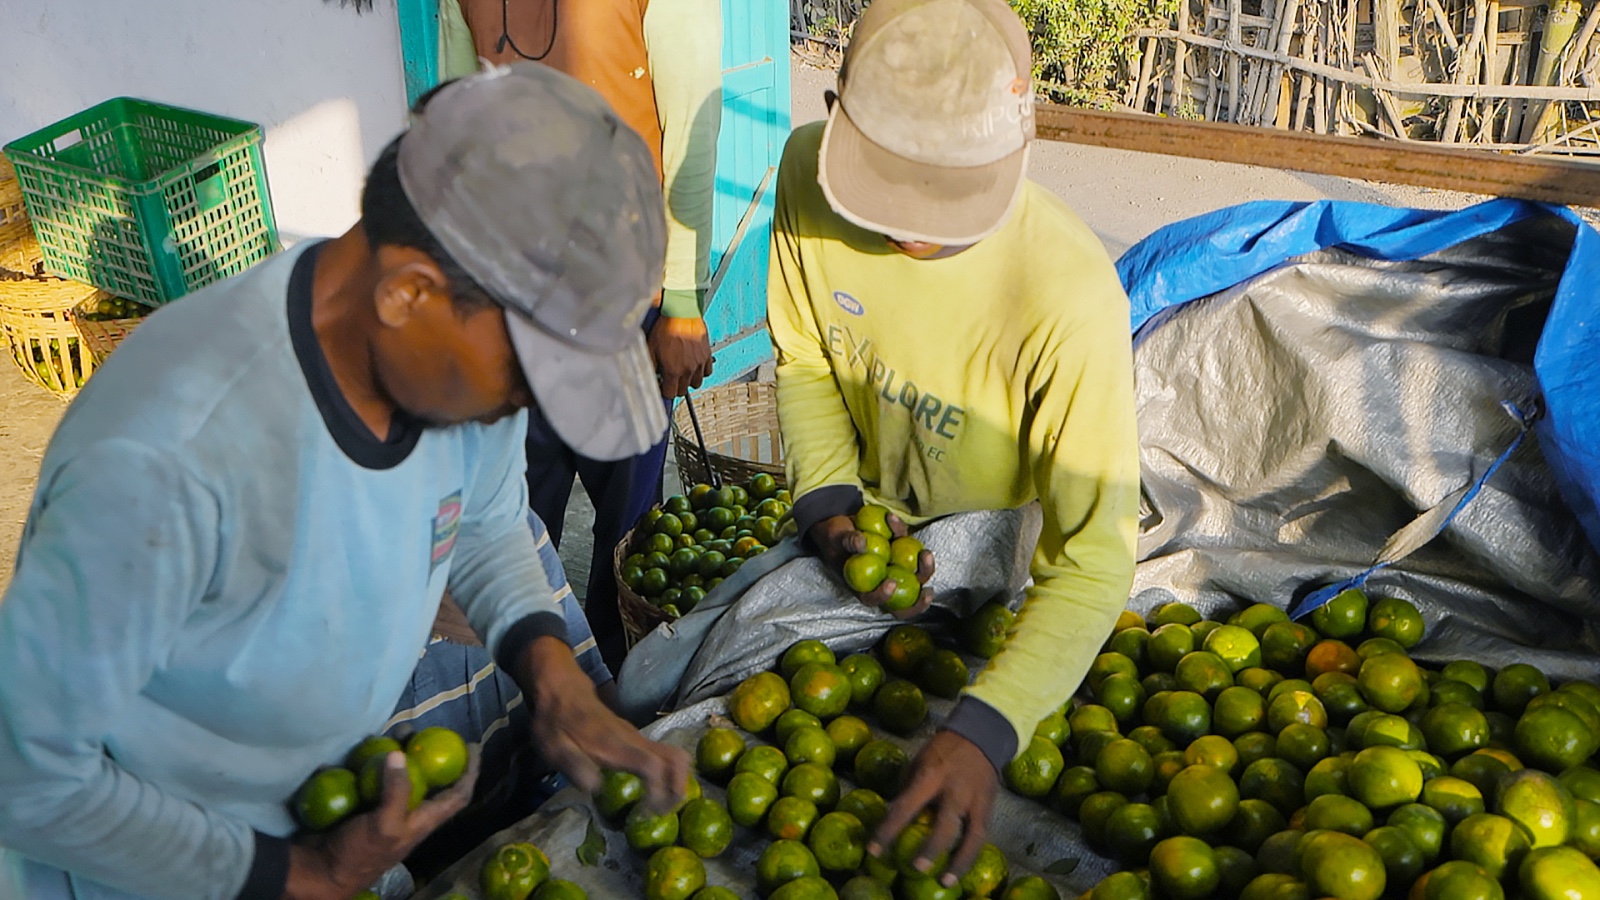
x: 244, y: 525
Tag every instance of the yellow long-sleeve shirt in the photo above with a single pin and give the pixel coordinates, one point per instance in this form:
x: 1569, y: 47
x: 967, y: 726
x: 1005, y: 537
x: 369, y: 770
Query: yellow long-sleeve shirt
x: 985, y: 380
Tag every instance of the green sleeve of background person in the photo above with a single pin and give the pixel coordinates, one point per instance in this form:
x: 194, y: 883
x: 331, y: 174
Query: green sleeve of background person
x: 989, y: 380
x: 684, y: 41
x: 458, y: 56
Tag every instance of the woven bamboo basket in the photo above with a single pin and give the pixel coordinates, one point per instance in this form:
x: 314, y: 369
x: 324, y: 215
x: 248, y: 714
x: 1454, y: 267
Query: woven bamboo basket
x: 47, y: 326
x: 740, y: 424
x: 19, y: 250
x: 639, y: 616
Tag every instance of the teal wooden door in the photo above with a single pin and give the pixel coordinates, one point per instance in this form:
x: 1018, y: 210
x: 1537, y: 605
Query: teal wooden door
x: 755, y: 124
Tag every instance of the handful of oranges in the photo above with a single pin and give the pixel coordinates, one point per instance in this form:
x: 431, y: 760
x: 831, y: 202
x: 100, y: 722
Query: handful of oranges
x: 886, y: 558
x: 435, y: 759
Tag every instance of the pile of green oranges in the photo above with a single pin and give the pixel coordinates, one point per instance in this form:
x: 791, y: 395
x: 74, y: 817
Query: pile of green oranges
x: 886, y: 558
x: 685, y: 547
x: 435, y: 759
x: 110, y: 308
x: 1265, y: 759
x: 799, y: 766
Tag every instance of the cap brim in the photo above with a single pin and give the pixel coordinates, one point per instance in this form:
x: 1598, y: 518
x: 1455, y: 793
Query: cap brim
x: 913, y: 201
x: 606, y: 406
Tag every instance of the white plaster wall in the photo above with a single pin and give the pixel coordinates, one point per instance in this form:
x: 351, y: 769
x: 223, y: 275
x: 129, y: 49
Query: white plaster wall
x: 324, y: 82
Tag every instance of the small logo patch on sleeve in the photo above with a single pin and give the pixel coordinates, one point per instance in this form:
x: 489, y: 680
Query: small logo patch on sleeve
x: 446, y: 523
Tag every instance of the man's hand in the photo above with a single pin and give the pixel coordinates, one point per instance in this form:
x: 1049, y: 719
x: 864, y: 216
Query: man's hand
x: 352, y: 857
x: 837, y: 540
x: 952, y: 778
x: 681, y: 349
x: 579, y: 735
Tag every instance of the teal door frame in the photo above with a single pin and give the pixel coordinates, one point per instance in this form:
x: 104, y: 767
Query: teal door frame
x: 755, y: 125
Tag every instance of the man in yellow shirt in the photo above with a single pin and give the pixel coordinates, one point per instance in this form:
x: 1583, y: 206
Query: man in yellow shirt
x: 951, y: 337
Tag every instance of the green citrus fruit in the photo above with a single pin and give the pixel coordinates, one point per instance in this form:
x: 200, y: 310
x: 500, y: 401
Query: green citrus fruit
x: 1204, y: 673
x: 1558, y: 873
x: 1236, y: 646
x: 370, y: 782
x: 1203, y: 800
x: 944, y: 674
x: 1072, y: 787
x: 749, y: 798
x: 1181, y: 613
x: 649, y: 832
x: 327, y: 798
x: 1331, y: 812
x: 1454, y: 798
x: 865, y: 571
x: 1342, y: 866
x: 866, y: 676
x: 1384, y: 777
x: 1391, y: 682
x: 791, y: 818
x: 905, y: 648
x: 791, y: 721
x: 1033, y: 772
x: 717, y: 752
x: 1184, y: 868
x: 984, y: 632
x: 988, y: 872
x: 1122, y: 766
x: 1131, y: 832
x: 376, y: 745
x: 1276, y: 781
x: 900, y: 706
x: 1554, y: 738
x: 1460, y: 880
x: 849, y: 734
x: 1537, y: 802
x: 764, y: 762
x: 879, y: 766
x: 705, y: 827
x: 810, y: 745
x: 1168, y: 645
x: 1515, y: 685
x: 1255, y: 821
x: 1493, y: 842
x: 802, y: 652
x: 1342, y: 617
x: 874, y: 519
x: 866, y: 805
x: 1238, y: 710
x: 758, y: 701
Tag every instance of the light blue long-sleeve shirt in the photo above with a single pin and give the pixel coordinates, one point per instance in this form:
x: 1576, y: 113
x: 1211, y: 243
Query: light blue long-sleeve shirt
x: 224, y: 583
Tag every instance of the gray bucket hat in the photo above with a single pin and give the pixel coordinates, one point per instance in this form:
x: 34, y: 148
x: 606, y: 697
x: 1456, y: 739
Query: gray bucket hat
x: 531, y: 181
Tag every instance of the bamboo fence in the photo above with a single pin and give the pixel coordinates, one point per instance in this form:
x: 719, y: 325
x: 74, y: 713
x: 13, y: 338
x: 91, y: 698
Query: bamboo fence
x: 1494, y: 74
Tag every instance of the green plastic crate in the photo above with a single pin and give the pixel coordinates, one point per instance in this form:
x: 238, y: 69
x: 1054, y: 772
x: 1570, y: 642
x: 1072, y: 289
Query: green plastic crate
x: 144, y: 200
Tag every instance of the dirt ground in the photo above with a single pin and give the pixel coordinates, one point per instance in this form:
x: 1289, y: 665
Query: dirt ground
x: 1124, y: 196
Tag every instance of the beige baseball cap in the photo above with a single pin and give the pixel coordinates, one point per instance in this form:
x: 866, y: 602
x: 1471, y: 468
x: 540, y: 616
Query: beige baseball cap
x: 929, y: 139
x: 535, y: 186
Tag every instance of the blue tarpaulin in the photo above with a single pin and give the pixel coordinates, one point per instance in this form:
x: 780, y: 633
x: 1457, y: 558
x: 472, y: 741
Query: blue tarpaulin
x: 1207, y: 254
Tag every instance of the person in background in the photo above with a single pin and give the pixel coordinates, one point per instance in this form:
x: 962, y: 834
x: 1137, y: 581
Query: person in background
x: 659, y: 64
x: 951, y: 337
x: 244, y: 524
